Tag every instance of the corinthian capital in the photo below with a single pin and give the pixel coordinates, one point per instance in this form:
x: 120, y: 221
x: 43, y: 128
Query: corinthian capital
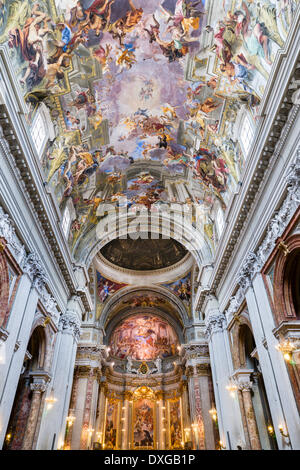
x: 39, y: 387
x: 242, y: 378
x: 215, y: 324
x: 249, y: 267
x: 69, y: 323
x: 7, y: 232
x: 35, y: 270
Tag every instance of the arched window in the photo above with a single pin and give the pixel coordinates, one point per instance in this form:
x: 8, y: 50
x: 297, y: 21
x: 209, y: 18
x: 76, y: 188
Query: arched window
x: 38, y: 132
x: 220, y: 221
x: 246, y: 134
x: 66, y: 221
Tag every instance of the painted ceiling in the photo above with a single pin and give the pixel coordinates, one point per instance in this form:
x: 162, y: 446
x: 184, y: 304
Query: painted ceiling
x: 142, y: 90
x: 144, y: 255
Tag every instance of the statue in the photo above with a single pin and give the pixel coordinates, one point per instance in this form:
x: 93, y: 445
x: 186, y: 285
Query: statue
x: 157, y: 363
x: 129, y: 365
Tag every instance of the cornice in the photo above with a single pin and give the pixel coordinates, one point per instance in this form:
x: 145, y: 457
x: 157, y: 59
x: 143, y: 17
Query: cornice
x: 13, y: 150
x: 117, y: 273
x: 255, y: 260
x: 269, y: 144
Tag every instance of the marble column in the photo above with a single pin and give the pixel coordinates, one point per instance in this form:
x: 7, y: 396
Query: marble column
x: 160, y: 434
x: 162, y: 422
x: 196, y: 356
x: 38, y: 388
x: 245, y: 386
x: 119, y: 426
x: 87, y: 425
x: 229, y: 415
x: 203, y: 373
x: 196, y: 409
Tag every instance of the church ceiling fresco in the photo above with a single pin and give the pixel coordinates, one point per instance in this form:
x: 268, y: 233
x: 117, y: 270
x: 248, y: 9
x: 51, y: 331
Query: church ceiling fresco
x: 106, y: 288
x: 143, y: 338
x: 182, y: 288
x: 129, y: 81
x: 144, y: 255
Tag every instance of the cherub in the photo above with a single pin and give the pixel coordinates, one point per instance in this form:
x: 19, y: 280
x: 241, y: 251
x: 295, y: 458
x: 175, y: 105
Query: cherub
x: 154, y: 30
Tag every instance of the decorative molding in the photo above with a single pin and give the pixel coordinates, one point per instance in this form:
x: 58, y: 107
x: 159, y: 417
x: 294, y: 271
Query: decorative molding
x: 215, y: 324
x: 278, y: 131
x: 3, y: 334
x: 69, y: 324
x: 41, y: 380
x: 7, y: 231
x: 255, y: 261
x: 241, y: 378
x: 195, y: 351
x: 19, y: 161
x: 30, y: 264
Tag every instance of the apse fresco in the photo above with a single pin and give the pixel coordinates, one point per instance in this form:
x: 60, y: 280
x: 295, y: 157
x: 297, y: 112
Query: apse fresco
x: 143, y: 338
x: 143, y: 429
x: 130, y: 86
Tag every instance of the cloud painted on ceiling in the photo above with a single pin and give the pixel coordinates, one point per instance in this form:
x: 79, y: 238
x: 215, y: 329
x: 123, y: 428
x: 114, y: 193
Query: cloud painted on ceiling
x: 130, y: 82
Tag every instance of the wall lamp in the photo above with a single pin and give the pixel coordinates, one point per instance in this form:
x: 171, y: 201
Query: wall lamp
x: 222, y: 446
x: 284, y: 434
x: 287, y: 348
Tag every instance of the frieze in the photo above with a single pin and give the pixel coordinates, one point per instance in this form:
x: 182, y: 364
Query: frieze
x: 255, y: 260
x: 199, y: 349
x: 30, y: 263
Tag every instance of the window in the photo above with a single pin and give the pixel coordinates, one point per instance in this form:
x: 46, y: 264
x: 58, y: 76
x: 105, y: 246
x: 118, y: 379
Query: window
x: 220, y: 221
x: 246, y: 134
x: 66, y: 221
x: 38, y: 132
